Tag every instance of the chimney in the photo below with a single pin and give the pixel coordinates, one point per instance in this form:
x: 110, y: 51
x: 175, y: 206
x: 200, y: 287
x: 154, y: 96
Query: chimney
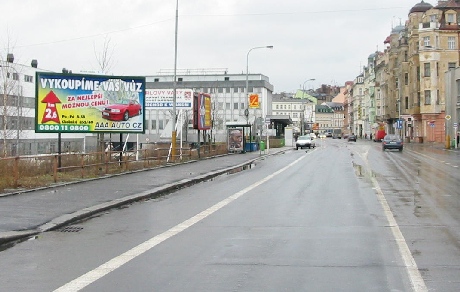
x: 34, y: 63
x: 10, y: 58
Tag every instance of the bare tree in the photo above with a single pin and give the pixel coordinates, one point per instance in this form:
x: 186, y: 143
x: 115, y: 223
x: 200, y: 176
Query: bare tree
x: 11, y: 94
x: 104, y: 56
x: 104, y: 61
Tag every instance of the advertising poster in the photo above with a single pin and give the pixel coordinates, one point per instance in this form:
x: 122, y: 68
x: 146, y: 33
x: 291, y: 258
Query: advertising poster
x: 163, y: 98
x: 202, y: 118
x: 74, y: 103
x: 235, y: 139
x: 254, y: 101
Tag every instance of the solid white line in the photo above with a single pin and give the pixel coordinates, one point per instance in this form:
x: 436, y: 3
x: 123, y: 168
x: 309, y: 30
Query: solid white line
x: 115, y: 263
x: 417, y: 282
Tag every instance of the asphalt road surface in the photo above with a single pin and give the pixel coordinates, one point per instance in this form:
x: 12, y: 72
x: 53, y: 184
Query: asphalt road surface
x: 344, y: 216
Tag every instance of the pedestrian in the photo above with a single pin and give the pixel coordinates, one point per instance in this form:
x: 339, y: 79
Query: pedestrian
x: 370, y: 136
x: 458, y: 138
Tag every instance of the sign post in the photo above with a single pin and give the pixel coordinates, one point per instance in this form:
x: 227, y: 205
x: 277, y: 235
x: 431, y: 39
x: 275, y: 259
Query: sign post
x: 455, y: 135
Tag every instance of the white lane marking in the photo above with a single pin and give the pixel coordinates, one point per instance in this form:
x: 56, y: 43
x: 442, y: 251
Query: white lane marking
x: 417, y: 282
x: 113, y: 264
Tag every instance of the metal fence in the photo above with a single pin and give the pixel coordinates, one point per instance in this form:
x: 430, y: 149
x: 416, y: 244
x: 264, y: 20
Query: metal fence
x: 28, y: 172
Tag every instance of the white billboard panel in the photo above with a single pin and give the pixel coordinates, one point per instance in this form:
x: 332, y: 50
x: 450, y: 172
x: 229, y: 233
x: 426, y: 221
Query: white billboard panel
x: 163, y: 98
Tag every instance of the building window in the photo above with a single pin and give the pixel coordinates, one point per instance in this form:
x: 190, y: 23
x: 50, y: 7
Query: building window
x: 406, y: 101
x: 154, y: 124
x: 433, y: 18
x: 426, y: 70
x: 235, y: 105
x: 427, y: 97
x: 451, y: 65
x: 180, y: 79
x: 451, y: 43
x: 458, y: 92
x: 28, y: 78
x: 406, y: 78
x: 156, y: 80
x: 450, y: 18
x: 227, y: 78
x: 242, y: 105
x: 227, y: 105
x: 426, y: 41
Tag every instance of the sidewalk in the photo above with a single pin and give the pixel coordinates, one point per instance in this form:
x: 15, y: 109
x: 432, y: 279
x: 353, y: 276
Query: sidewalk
x: 30, y: 213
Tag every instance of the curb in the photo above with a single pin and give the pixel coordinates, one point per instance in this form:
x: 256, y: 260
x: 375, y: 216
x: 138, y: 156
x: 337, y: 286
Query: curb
x: 66, y: 219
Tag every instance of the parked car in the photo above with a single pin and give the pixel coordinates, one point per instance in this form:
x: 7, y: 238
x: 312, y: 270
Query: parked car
x: 328, y: 134
x: 322, y: 136
x: 122, y: 111
x: 392, y: 141
x: 352, y: 137
x: 304, y: 141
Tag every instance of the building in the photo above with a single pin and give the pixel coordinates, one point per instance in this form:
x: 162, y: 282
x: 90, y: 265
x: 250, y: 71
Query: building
x: 17, y: 115
x: 411, y: 89
x: 229, y: 103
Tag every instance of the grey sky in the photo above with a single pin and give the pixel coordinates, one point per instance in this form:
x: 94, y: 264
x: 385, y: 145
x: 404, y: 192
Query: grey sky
x: 327, y: 40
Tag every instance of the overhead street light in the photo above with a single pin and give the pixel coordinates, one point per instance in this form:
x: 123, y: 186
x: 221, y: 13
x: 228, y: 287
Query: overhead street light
x: 247, y: 69
x: 174, y: 116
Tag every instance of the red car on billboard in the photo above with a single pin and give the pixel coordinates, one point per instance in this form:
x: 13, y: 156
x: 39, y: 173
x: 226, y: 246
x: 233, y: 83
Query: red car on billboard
x: 122, y: 111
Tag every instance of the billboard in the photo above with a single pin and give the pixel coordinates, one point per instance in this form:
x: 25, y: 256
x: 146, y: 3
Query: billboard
x: 74, y: 103
x: 235, y: 139
x: 254, y: 100
x: 202, y: 111
x: 163, y: 98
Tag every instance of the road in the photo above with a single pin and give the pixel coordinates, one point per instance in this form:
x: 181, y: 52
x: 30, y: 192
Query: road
x: 342, y: 217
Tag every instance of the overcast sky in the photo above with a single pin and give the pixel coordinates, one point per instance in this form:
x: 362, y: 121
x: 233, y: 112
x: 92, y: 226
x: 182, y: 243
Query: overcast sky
x: 328, y: 40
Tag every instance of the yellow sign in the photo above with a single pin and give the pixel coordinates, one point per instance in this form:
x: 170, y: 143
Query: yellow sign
x: 254, y: 101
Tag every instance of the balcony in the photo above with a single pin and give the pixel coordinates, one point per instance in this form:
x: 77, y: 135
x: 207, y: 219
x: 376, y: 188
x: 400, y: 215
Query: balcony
x: 428, y: 25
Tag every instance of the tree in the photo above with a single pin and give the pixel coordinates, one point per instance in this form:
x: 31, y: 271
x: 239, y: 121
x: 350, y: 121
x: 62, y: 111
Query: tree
x: 11, y: 96
x: 104, y: 61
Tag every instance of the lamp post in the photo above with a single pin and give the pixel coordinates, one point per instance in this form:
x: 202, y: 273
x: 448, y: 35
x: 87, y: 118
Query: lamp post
x: 173, y: 135
x: 247, y: 70
x: 302, y: 124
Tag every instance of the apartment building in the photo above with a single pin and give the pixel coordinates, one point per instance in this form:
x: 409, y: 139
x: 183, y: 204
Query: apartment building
x: 407, y: 80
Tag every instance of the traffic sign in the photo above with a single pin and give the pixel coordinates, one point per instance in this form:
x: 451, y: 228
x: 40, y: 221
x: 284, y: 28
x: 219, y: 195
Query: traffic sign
x: 448, y: 117
x: 455, y: 125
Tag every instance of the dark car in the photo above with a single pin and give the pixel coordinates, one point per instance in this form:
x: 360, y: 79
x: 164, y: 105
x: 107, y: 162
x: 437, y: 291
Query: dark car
x: 304, y: 141
x: 122, y: 111
x: 352, y: 137
x: 392, y: 141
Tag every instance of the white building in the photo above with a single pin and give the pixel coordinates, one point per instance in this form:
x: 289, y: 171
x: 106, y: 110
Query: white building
x: 17, y: 116
x: 229, y: 102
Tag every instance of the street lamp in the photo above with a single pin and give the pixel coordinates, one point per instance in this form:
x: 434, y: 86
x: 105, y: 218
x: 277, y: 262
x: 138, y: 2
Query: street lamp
x: 247, y: 69
x: 174, y: 133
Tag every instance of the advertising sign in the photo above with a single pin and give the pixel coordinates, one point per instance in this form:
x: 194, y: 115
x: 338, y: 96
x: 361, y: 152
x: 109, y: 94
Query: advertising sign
x: 73, y: 103
x: 163, y: 98
x: 254, y: 101
x: 202, y: 111
x: 235, y: 139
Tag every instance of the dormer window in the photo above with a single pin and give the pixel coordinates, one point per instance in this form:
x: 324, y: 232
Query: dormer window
x: 450, y: 17
x: 433, y: 18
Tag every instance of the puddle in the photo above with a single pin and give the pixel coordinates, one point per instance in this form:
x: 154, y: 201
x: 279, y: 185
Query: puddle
x: 361, y: 171
x: 241, y: 168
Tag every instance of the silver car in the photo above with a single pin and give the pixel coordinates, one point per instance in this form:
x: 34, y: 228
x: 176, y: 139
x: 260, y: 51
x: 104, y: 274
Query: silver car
x: 304, y: 141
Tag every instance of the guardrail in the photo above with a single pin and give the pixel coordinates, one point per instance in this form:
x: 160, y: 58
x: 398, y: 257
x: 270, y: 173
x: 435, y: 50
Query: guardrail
x: 27, y: 172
